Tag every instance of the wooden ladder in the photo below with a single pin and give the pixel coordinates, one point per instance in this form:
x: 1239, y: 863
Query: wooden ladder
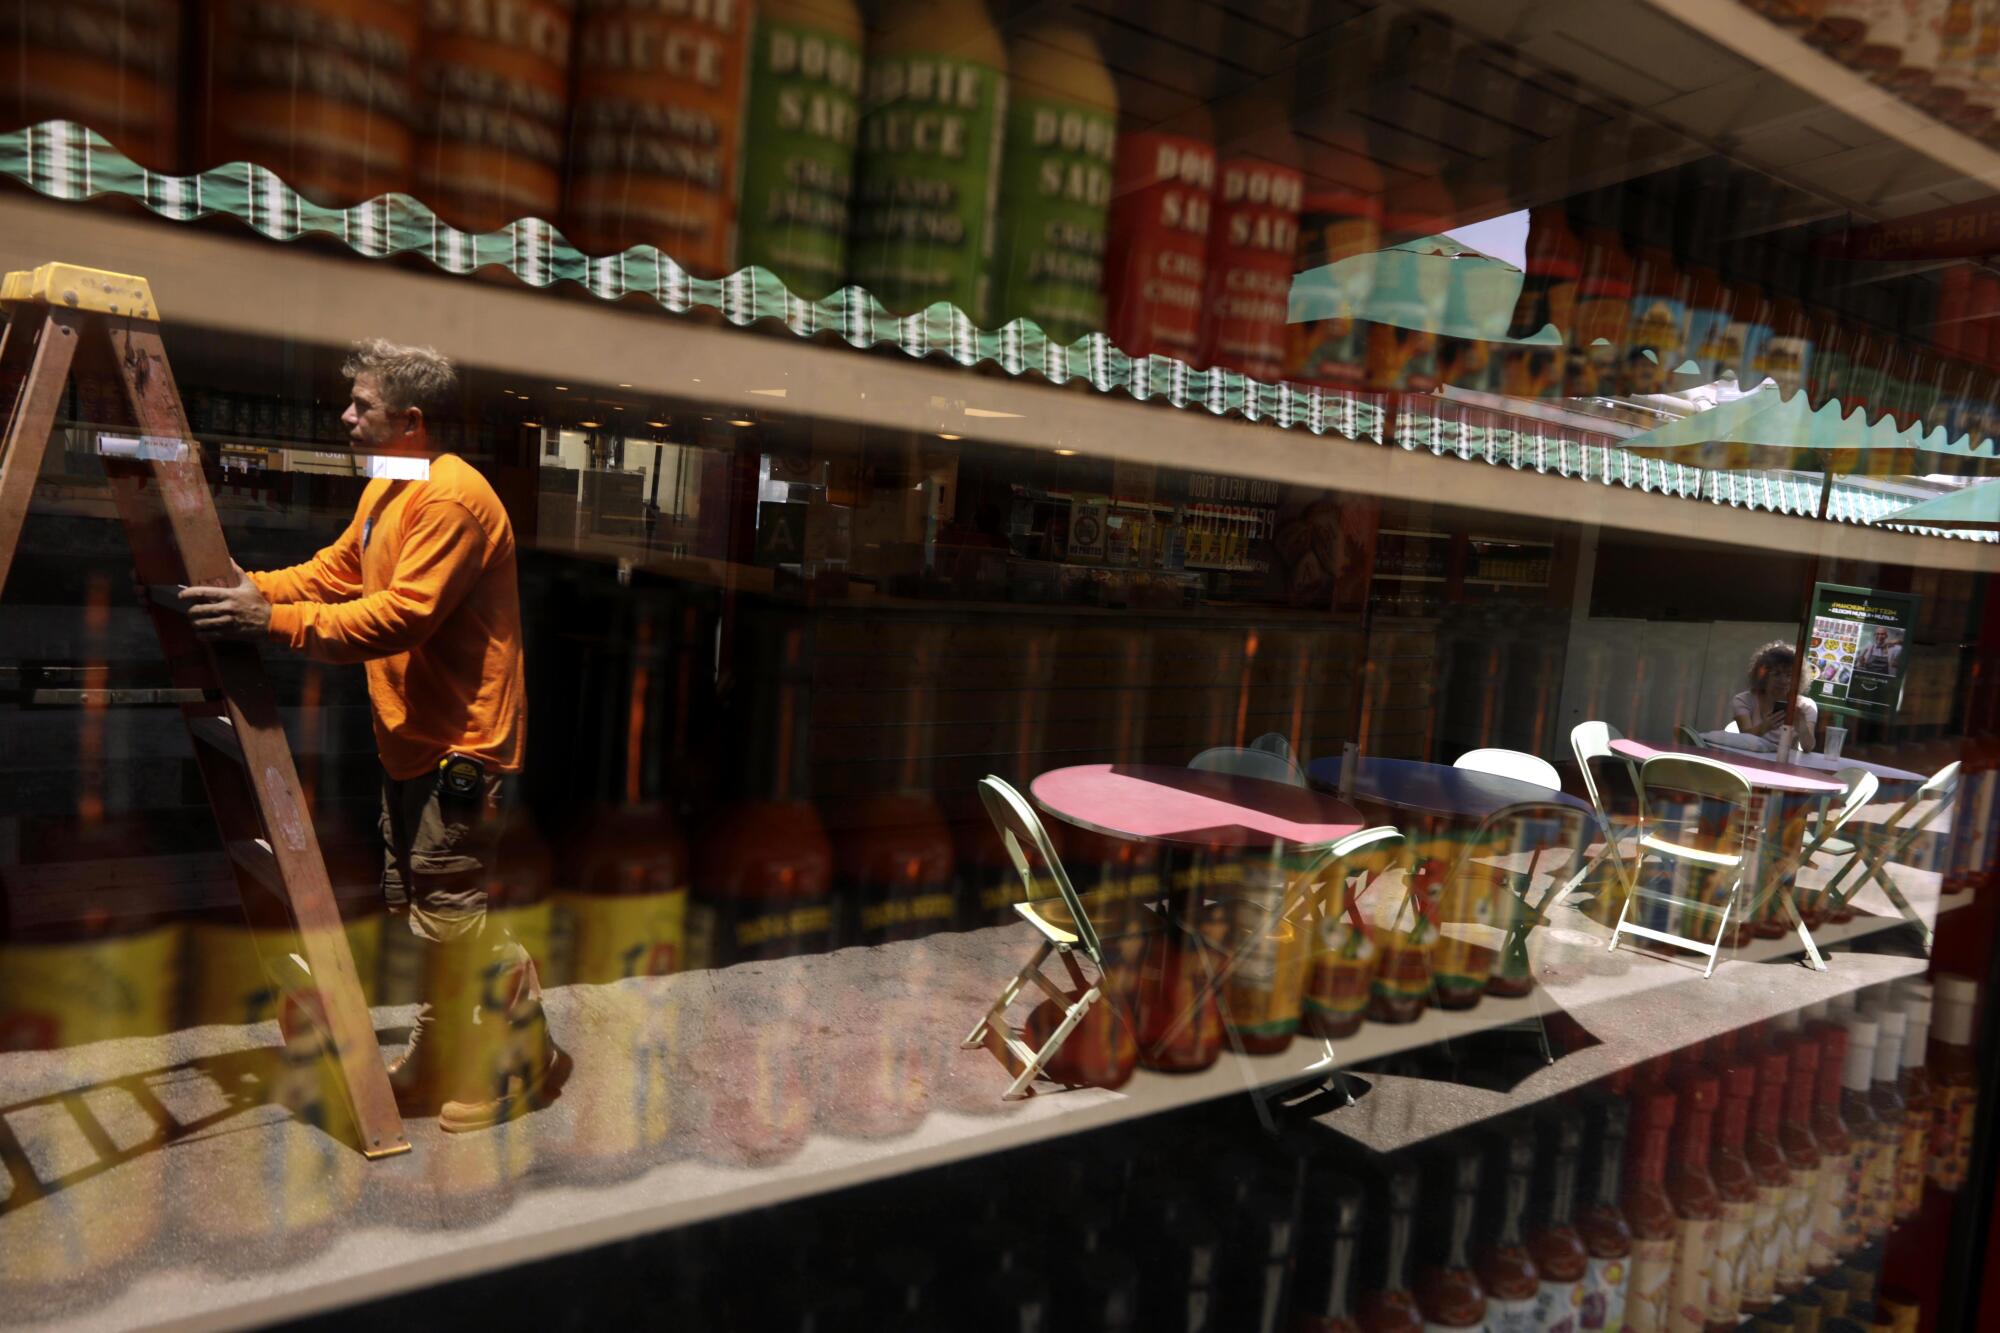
x: 104, y: 327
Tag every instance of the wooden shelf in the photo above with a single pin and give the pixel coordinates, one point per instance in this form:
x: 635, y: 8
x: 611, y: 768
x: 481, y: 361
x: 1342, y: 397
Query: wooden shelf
x: 1509, y: 583
x: 207, y: 279
x: 564, y: 1194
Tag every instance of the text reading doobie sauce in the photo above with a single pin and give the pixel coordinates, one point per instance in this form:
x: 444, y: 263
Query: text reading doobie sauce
x: 493, y: 88
x: 801, y: 119
x: 1163, y: 197
x: 1062, y: 131
x: 933, y: 111
x: 1250, y: 249
x: 656, y: 128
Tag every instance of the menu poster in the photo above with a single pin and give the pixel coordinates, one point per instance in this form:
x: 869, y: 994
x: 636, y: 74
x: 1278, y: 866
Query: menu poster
x: 1858, y: 652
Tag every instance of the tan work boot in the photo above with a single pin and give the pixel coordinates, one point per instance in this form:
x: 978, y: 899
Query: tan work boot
x: 508, y: 1064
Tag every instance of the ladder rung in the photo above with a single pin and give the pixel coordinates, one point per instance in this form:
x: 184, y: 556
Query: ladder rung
x: 217, y: 732
x: 255, y: 855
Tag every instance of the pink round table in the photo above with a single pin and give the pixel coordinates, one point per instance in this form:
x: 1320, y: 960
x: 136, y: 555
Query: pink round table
x: 1189, y: 806
x: 1768, y: 774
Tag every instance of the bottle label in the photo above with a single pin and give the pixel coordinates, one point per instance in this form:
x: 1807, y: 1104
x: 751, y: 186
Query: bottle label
x: 1951, y: 1136
x: 1164, y: 197
x: 1596, y: 351
x: 1708, y: 330
x: 655, y: 130
x: 1559, y: 1305
x: 1458, y: 962
x: 1605, y: 1283
x: 1654, y: 344
x: 1265, y: 990
x: 1796, y: 1223
x: 1830, y: 1211
x: 1910, y: 1166
x: 228, y: 981
x: 643, y: 935
x: 1511, y: 1316
x: 1854, y: 1201
x: 719, y: 934
x: 1743, y: 349
x: 928, y: 182
x: 1880, y: 1206
x: 1056, y: 190
x: 1250, y: 252
x: 496, y: 103
x: 801, y: 120
x: 1402, y: 359
x: 1650, y: 1292
x: 1340, y: 973
x: 1767, y: 1243
x: 1694, y: 1262
x: 1326, y: 343
x: 1787, y: 361
x: 1732, y: 1249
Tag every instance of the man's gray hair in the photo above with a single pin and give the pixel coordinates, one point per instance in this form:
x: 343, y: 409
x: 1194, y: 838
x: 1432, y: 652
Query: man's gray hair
x: 419, y: 377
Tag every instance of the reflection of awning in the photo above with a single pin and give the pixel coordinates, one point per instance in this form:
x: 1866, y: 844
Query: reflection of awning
x: 1763, y: 429
x: 1976, y: 508
x: 1433, y: 284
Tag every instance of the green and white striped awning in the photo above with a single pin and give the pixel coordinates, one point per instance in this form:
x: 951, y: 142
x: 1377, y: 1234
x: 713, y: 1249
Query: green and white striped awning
x: 63, y: 160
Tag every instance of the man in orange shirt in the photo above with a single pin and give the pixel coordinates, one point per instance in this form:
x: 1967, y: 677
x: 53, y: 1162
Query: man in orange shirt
x: 421, y: 589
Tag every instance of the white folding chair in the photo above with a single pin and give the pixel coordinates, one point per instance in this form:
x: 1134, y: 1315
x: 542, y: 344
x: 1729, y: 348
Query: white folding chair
x: 1516, y: 764
x: 1874, y: 846
x: 1860, y: 787
x: 1020, y: 828
x: 1590, y: 742
x: 1709, y: 781
x: 1249, y: 763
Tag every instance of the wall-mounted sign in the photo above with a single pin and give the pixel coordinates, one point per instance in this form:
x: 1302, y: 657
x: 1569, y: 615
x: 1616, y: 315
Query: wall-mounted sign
x: 1858, y: 652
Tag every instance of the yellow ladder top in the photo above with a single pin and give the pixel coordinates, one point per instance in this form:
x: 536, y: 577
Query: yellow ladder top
x: 92, y: 289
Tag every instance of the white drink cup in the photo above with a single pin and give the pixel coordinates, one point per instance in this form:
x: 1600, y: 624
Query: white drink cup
x: 1836, y: 737
x: 1785, y: 744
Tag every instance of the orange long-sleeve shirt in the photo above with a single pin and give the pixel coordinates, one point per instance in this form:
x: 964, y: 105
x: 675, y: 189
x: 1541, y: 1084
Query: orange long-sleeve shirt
x: 420, y: 587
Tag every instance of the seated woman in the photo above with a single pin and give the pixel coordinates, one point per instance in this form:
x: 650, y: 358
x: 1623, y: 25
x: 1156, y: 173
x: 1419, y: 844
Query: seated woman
x: 1769, y: 702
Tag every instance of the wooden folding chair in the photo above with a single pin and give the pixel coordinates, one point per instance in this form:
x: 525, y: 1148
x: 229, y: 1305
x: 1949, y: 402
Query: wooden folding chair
x: 1020, y: 828
x: 1872, y: 851
x: 1709, y: 781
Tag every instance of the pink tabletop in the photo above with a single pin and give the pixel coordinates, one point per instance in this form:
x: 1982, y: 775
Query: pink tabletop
x: 1185, y: 805
x: 1768, y: 774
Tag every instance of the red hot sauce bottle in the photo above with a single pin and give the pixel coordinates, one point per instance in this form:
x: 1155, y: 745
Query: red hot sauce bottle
x: 1448, y: 1290
x: 1649, y: 1211
x: 1562, y: 1259
x: 1390, y: 1305
x: 1606, y: 1235
x: 1697, y: 1205
x: 1506, y: 1268
x: 1802, y: 1155
x: 1774, y: 1183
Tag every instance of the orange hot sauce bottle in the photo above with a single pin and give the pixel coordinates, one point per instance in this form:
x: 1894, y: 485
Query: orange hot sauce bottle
x: 1736, y: 1186
x: 1774, y: 1183
x: 1649, y: 1211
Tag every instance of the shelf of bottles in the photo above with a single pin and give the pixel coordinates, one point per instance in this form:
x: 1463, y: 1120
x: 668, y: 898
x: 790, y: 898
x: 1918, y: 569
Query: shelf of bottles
x: 900, y: 185
x: 1783, y: 1173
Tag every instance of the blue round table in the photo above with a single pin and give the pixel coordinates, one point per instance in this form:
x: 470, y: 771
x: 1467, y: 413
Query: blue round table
x: 1438, y: 789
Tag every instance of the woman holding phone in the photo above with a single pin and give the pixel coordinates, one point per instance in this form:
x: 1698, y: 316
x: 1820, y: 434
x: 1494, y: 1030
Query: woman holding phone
x: 1769, y: 703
